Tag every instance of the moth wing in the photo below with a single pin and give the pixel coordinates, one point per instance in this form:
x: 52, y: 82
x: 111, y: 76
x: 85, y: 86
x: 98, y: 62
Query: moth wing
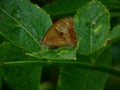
x: 61, y: 34
x: 53, y: 38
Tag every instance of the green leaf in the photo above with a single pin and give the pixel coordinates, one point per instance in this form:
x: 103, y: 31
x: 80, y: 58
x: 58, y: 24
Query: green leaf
x: 23, y: 77
x: 115, y: 33
x: 55, y: 9
x: 2, y: 39
x: 111, y: 4
x: 9, y: 52
x: 59, y: 54
x: 92, y: 23
x: 80, y: 78
x: 4, y: 50
x: 23, y: 23
x: 1, y: 77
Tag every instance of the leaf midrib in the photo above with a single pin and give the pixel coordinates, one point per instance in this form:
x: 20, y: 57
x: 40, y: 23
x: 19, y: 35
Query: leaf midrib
x: 25, y: 29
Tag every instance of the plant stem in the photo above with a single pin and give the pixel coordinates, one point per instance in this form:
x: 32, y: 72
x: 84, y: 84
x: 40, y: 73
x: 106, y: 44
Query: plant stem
x: 64, y: 63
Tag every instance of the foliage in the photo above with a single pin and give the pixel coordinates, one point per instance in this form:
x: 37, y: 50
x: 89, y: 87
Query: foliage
x: 84, y: 67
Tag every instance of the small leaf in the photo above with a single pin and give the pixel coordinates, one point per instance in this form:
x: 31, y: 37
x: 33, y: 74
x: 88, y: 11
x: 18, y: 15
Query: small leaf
x: 61, y: 53
x: 23, y: 23
x: 92, y: 23
x: 115, y: 33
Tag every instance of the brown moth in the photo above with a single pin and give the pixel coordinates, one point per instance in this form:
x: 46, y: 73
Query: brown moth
x: 62, y: 33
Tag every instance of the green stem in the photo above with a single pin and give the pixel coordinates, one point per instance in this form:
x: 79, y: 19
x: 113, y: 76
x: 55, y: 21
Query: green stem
x: 64, y: 63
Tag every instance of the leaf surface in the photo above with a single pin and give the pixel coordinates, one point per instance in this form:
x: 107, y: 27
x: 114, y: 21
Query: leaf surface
x: 23, y: 23
x: 61, y: 53
x: 4, y: 50
x: 92, y: 23
x: 80, y: 78
x: 1, y: 77
x: 23, y: 77
x: 18, y: 77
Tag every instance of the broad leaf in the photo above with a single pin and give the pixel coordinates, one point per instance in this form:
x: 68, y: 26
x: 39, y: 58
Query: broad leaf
x: 80, y: 78
x: 92, y: 23
x: 16, y: 76
x: 9, y: 52
x: 23, y: 23
x: 23, y: 77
